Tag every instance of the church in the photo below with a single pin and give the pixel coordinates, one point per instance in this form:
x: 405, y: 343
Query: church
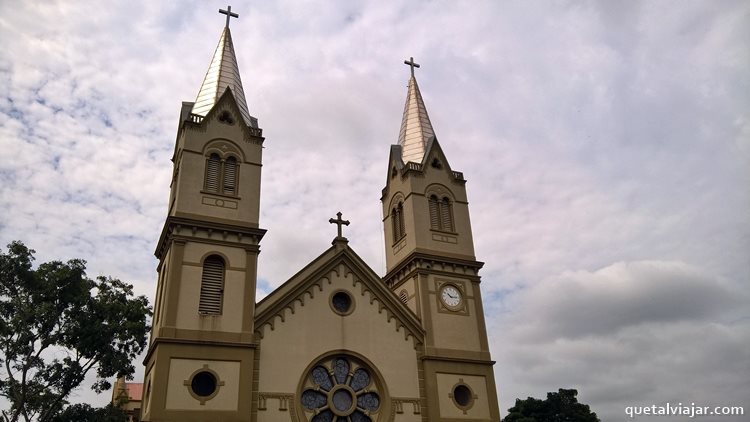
x: 336, y: 342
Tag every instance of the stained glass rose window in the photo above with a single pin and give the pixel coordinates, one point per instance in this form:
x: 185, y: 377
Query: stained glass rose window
x: 340, y: 389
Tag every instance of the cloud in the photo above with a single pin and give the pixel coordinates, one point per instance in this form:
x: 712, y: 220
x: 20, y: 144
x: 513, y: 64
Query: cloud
x: 605, y: 146
x: 630, y: 334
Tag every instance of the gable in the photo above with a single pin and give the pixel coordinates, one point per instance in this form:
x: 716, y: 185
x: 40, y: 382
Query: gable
x: 301, y: 326
x: 226, y: 117
x: 337, y: 266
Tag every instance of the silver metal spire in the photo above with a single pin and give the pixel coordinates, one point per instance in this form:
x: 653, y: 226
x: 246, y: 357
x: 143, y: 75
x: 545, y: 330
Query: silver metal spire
x: 223, y: 73
x: 416, y: 128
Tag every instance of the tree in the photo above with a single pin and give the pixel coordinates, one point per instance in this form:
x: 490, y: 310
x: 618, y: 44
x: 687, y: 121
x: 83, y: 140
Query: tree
x: 57, y: 325
x: 86, y: 413
x: 562, y: 406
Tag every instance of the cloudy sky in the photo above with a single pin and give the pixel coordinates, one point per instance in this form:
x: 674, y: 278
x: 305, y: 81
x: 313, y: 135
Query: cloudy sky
x: 606, y: 147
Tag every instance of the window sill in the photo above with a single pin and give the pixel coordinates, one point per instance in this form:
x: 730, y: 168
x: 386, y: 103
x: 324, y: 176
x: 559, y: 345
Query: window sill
x: 223, y: 195
x: 444, y: 232
x: 399, y: 240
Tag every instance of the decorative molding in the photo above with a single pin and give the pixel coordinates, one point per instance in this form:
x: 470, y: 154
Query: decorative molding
x: 398, y: 405
x: 222, y: 203
x: 183, y: 229
x: 285, y: 401
x: 399, y: 245
x: 423, y: 263
x: 341, y: 267
x: 440, y: 191
x: 444, y: 238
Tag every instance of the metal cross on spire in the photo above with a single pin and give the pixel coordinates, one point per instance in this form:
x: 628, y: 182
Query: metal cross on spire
x: 411, y: 64
x: 229, y: 14
x: 339, y: 222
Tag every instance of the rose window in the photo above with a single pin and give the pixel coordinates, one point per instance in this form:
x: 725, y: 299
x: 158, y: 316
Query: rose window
x: 340, y: 389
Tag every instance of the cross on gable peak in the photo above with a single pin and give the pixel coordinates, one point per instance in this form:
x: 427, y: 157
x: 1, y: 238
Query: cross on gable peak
x: 339, y: 222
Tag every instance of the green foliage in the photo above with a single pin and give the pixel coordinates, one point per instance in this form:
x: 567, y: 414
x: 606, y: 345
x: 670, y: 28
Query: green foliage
x: 56, y: 325
x: 562, y: 406
x: 86, y: 413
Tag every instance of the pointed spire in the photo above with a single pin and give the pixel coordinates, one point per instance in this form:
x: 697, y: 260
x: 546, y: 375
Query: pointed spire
x: 223, y: 73
x: 416, y: 129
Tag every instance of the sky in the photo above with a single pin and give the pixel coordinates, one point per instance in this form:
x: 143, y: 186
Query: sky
x: 606, y: 147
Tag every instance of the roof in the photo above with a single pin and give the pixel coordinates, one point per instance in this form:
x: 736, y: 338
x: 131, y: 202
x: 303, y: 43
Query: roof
x: 416, y: 128
x: 223, y: 73
x: 135, y: 391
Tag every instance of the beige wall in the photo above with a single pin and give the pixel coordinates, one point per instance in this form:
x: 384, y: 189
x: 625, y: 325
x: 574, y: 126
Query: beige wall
x: 234, y: 289
x: 194, y: 145
x: 480, y: 408
x: 453, y: 330
x: 415, y: 191
x: 178, y: 394
x: 315, y: 329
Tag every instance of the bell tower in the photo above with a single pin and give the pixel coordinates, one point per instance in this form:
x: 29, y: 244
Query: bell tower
x: 431, y: 267
x: 201, y: 357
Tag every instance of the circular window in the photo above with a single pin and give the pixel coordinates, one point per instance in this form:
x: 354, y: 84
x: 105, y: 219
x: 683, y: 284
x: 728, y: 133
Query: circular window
x: 462, y: 396
x: 341, y: 388
x: 203, y: 384
x: 342, y: 303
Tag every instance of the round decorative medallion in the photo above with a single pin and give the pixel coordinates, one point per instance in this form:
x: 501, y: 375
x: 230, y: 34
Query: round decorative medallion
x: 341, y: 388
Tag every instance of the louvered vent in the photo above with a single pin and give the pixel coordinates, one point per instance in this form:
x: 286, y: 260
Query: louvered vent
x: 212, y: 286
x: 230, y: 176
x: 396, y: 225
x: 404, y: 296
x: 446, y: 219
x: 401, y: 219
x: 213, y: 166
x: 434, y: 213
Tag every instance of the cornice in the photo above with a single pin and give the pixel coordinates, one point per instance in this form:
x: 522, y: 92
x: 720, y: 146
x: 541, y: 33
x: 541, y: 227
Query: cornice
x: 174, y: 226
x: 419, y: 262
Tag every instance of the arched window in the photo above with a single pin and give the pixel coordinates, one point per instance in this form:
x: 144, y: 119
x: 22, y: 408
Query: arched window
x: 212, y: 286
x: 230, y: 176
x: 397, y: 219
x: 221, y: 175
x: 441, y: 214
x: 213, y: 170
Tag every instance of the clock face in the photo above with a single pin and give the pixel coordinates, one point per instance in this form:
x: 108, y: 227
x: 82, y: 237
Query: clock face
x: 451, y: 296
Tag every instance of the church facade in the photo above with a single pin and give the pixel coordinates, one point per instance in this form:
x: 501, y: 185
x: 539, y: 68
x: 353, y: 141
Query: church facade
x: 336, y: 342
